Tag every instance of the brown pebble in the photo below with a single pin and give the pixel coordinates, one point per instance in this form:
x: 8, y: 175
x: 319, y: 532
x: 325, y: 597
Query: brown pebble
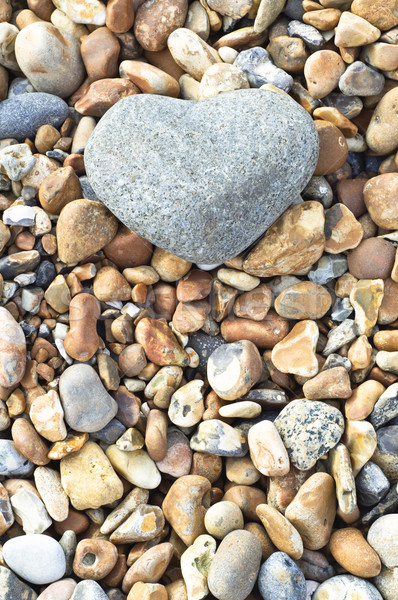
x: 190, y: 316
x: 46, y: 137
x: 363, y: 398
x: 132, y: 360
x: 322, y: 72
x: 156, y: 21
x: 29, y: 443
x: 94, y: 559
x: 288, y: 53
x: 350, y: 549
x: 82, y: 341
x: 100, y: 51
x: 382, y: 253
x: 254, y: 304
x: 194, y: 286
x: 110, y: 285
x: 329, y: 384
x: 304, y: 300
x: 350, y: 193
x: 381, y: 199
x: 265, y: 334
x: 333, y: 149
x: 128, y: 249
x: 120, y: 15
x: 103, y: 94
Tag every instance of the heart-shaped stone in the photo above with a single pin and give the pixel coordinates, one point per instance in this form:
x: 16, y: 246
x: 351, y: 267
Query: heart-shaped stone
x: 202, y: 180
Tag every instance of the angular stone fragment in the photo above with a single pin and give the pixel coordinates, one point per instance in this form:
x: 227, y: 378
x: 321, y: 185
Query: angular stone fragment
x: 366, y: 297
x: 296, y: 352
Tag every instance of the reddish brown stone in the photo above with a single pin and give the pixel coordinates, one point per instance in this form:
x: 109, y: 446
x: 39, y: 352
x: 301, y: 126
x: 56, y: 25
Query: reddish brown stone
x: 128, y: 249
x: 103, y: 94
x: 381, y: 263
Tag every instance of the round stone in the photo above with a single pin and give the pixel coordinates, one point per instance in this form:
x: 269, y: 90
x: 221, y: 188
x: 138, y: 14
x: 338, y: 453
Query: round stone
x: 381, y: 134
x: 222, y: 518
x: 36, y: 558
x: 281, y: 578
x: 135, y: 119
x: 304, y: 300
x: 383, y: 256
x: 383, y: 537
x: 232, y: 369
x: 380, y: 195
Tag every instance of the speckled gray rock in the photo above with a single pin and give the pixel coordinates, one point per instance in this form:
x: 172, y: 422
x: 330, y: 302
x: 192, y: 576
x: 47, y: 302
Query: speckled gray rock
x: 309, y: 34
x: 86, y: 403
x: 21, y: 116
x: 281, y: 578
x: 361, y: 80
x: 219, y: 438
x: 12, y: 462
x: 372, y: 485
x: 234, y: 569
x: 88, y: 590
x: 259, y: 69
x: 344, y: 333
x: 46, y: 558
x: 345, y: 587
x: 309, y: 429
x: 386, y: 407
x: 11, y: 588
x: 152, y: 171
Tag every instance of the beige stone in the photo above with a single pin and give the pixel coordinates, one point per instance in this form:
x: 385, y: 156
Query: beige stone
x: 295, y: 354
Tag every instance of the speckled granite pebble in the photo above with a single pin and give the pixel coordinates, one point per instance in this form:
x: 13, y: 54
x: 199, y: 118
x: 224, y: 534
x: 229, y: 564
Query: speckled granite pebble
x: 22, y: 115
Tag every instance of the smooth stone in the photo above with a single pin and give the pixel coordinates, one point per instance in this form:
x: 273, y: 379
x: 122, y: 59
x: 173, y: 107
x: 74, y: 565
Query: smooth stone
x: 295, y: 354
x: 381, y: 134
x: 150, y: 566
x: 309, y: 429
x: 385, y: 407
x: 259, y: 69
x: 350, y: 549
x: 380, y: 196
x: 60, y: 590
x: 222, y: 518
x: 305, y: 300
x: 344, y: 586
x: 48, y: 484
x: 383, y: 537
x: 361, y: 80
x: 219, y: 438
x: 87, y: 405
x: 372, y: 485
x: 145, y: 523
x: 12, y: 350
x: 380, y: 13
x: 309, y: 34
x: 136, y: 466
x: 31, y: 512
x: 267, y: 451
x: 178, y: 459
x: 328, y: 267
x: 12, y: 462
x: 387, y: 583
x: 22, y: 115
x: 46, y: 558
x: 341, y: 469
x: 88, y: 478
x: 234, y: 569
x: 280, y: 577
x: 14, y: 589
x: 315, y: 566
x: 195, y: 565
x: 132, y: 113
x: 232, y: 369
x: 89, y: 590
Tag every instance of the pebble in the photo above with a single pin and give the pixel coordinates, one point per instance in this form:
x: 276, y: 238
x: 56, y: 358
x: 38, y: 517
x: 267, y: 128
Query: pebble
x: 243, y: 410
x: 12, y: 587
x: 160, y: 344
x: 22, y: 115
x: 89, y: 590
x: 12, y: 350
x: 222, y: 518
x: 383, y: 255
x: 280, y: 576
x: 304, y: 300
x: 216, y: 437
x: 309, y: 429
x: 363, y: 398
x: 344, y: 586
x: 380, y: 134
x: 372, y: 485
x: 48, y: 484
x: 260, y: 70
x: 94, y: 559
x: 319, y: 63
x: 361, y: 80
x: 88, y: 478
x: 267, y: 451
x: 195, y: 565
x: 309, y: 34
x: 178, y: 459
x: 366, y: 297
x: 241, y: 102
x: 150, y: 566
x: 382, y: 536
x: 46, y: 558
x: 350, y: 549
x: 379, y: 197
x: 232, y: 369
x: 342, y: 472
x: 385, y: 408
x: 170, y: 13
x: 235, y: 566
x: 296, y: 352
x: 288, y: 53
x: 353, y: 30
x: 342, y: 231
x: 135, y: 466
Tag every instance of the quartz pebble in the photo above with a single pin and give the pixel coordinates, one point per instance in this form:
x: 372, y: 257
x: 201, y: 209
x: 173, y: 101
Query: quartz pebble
x: 46, y: 558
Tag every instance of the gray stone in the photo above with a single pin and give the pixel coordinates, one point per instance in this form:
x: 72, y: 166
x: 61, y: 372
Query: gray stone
x: 110, y: 433
x: 234, y: 568
x: 341, y: 309
x: 318, y: 189
x: 328, y: 267
x: 88, y: 590
x: 68, y: 542
x: 204, y: 345
x: 162, y: 176
x: 344, y: 333
x: 349, y: 106
x: 260, y: 70
x: 309, y: 429
x: 309, y: 34
x: 386, y: 506
x: 361, y: 80
x: 386, y: 407
x: 20, y: 85
x: 387, y: 583
x: 219, y: 438
x: 294, y: 9
x: 11, y: 588
x: 372, y: 485
x: 20, y: 214
x: 314, y: 565
x: 345, y: 587
x: 281, y: 578
x: 38, y: 559
x: 87, y: 189
x: 86, y: 403
x: 12, y: 462
x: 336, y: 360
x: 21, y: 116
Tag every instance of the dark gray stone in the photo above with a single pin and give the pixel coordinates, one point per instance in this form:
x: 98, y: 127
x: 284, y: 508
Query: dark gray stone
x: 318, y: 189
x: 204, y: 345
x: 309, y: 34
x: 315, y: 566
x: 260, y: 70
x: 87, y: 189
x: 372, y: 485
x: 12, y: 462
x: 309, y: 429
x: 20, y: 262
x: 328, y: 267
x: 281, y: 578
x: 22, y: 115
x: 349, y: 106
x: 361, y: 80
x: 388, y: 505
x: 234, y: 568
x: 89, y: 590
x: 110, y: 433
x: 347, y: 586
x: 86, y: 403
x: 386, y: 407
x: 294, y: 9
x: 116, y: 594
x: 11, y: 588
x: 168, y: 168
x: 269, y: 399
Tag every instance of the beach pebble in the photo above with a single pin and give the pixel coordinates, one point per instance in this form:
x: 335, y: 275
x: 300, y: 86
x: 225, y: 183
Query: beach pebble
x: 90, y: 13
x: 46, y: 558
x: 344, y: 586
x: 296, y: 352
x: 222, y: 518
x: 216, y: 437
x: 260, y: 70
x: 383, y: 537
x: 350, y: 549
x: 361, y: 80
x: 267, y: 451
x: 136, y: 466
x: 383, y: 253
x: 279, y: 576
x: 12, y: 350
x: 232, y: 369
x: 380, y: 197
x: 322, y: 72
x: 195, y: 565
x: 89, y: 590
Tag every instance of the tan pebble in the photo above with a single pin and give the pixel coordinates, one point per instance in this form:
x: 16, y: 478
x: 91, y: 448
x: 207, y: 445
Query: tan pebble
x: 58, y: 295
x: 353, y: 30
x: 360, y: 353
x: 360, y: 439
x: 381, y: 56
x: 380, y: 13
x: 191, y: 316
x: 238, y: 279
x: 94, y: 559
x: 221, y: 78
x: 43, y: 167
x: 255, y: 304
x: 288, y: 53
x: 381, y: 134
x: 243, y: 410
x: 267, y: 451
x: 92, y: 14
x: 222, y: 518
x: 119, y: 15
x: 304, y: 300
x: 82, y: 341
x: 241, y: 38
x: 63, y: 22
x: 72, y: 443
x: 156, y: 435
x: 333, y: 148
x: 197, y: 20
x: 155, y: 22
x: 329, y: 384
x: 363, y: 399
x: 222, y: 299
x: 148, y: 591
x: 366, y: 297
x: 341, y: 470
x: 110, y: 285
x: 322, y: 72
x: 190, y: 87
x: 313, y: 510
x: 186, y: 404
x: 350, y: 549
x: 380, y: 195
x: 207, y: 465
x: 281, y: 253
x: 241, y: 470
x: 296, y: 352
x: 132, y: 360
x: 100, y: 51
x: 47, y: 416
x: 388, y: 311
x: 324, y: 19
x: 168, y: 266
x: 282, y: 533
x: 48, y: 483
x: 247, y: 498
x: 137, y: 467
x: 149, y: 79
x: 177, y: 590
x: 386, y: 340
x: 156, y: 337
x: 29, y: 443
x: 388, y: 361
x: 191, y: 53
x: 46, y: 137
x: 150, y: 567
x: 334, y: 116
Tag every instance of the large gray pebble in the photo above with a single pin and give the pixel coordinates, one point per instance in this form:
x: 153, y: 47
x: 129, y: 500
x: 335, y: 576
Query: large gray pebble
x: 37, y: 558
x: 89, y: 590
x: 22, y: 115
x: 50, y: 59
x: 202, y: 180
x: 346, y: 587
x: 281, y: 578
x: 11, y: 588
x: 86, y: 403
x: 234, y: 569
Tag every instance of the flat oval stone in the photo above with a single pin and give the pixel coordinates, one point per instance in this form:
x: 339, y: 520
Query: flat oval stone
x: 309, y: 429
x: 304, y: 300
x: 281, y: 578
x: 22, y: 115
x: 198, y: 126
x: 12, y: 350
x: 136, y: 466
x: 346, y: 586
x: 350, y: 549
x: 234, y: 568
x: 86, y: 403
x: 46, y: 558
